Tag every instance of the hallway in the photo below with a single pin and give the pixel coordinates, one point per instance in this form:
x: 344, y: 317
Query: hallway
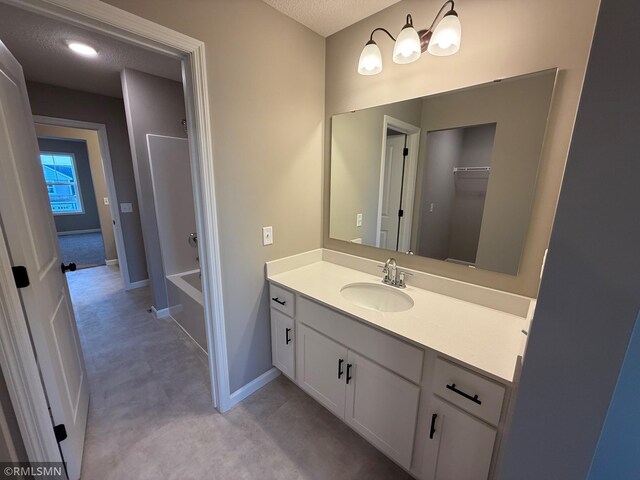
x: 150, y: 412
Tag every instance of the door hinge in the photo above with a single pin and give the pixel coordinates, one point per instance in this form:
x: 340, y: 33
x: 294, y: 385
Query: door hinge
x: 20, y: 276
x: 60, y: 432
x: 405, y: 152
x: 400, y: 213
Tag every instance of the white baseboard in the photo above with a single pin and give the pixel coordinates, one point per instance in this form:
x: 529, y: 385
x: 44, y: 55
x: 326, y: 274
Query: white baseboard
x: 162, y: 313
x: 111, y: 262
x: 252, y: 387
x: 77, y: 232
x: 138, y: 284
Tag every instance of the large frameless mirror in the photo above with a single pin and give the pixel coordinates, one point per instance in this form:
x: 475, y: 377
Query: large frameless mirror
x: 450, y: 177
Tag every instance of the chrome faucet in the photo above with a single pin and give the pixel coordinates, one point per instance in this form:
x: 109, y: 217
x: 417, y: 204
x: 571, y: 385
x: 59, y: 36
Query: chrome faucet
x: 390, y: 271
x: 392, y: 276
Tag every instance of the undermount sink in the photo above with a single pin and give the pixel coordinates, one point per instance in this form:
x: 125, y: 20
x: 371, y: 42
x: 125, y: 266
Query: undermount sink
x: 376, y: 296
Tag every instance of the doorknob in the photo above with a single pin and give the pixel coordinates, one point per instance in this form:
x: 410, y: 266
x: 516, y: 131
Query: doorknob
x: 68, y: 268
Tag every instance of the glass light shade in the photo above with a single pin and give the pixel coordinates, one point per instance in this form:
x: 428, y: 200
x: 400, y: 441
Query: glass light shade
x: 370, y: 60
x: 446, y: 36
x: 407, y: 47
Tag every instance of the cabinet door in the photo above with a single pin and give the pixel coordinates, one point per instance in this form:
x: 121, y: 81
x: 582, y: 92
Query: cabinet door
x: 382, y: 407
x: 283, y: 343
x: 321, y: 368
x: 461, y: 447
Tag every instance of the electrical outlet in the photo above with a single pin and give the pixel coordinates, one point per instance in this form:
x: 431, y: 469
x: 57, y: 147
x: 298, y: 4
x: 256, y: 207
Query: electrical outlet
x: 267, y: 235
x: 359, y: 220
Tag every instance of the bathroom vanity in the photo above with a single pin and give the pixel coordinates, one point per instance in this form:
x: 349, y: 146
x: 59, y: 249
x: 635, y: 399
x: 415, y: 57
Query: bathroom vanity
x: 426, y: 373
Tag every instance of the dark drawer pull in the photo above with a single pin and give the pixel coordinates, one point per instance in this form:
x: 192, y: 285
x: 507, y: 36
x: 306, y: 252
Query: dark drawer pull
x: 349, y: 372
x: 340, y: 371
x: 432, y: 430
x: 474, y: 399
x: 286, y: 336
x: 277, y: 300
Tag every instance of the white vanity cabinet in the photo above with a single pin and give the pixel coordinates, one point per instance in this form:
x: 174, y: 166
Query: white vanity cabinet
x: 375, y: 402
x: 321, y: 369
x: 283, y: 346
x: 460, y: 445
x: 464, y: 413
x: 434, y: 417
x: 382, y: 407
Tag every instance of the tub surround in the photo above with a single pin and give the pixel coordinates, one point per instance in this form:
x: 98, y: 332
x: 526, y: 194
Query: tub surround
x: 184, y: 292
x: 431, y: 386
x: 486, y: 336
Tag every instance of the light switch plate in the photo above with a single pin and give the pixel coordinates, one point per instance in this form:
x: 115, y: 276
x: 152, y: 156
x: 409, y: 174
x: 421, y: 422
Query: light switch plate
x: 126, y: 207
x: 359, y: 220
x: 105, y: 200
x: 267, y: 235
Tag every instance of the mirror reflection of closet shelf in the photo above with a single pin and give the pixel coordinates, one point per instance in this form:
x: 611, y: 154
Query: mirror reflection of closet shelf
x: 450, y: 176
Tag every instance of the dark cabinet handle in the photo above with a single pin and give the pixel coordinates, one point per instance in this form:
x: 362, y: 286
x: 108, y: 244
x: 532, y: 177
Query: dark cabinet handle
x: 349, y: 372
x: 286, y: 336
x: 432, y: 430
x: 340, y: 371
x: 474, y: 399
x: 277, y: 300
x: 68, y: 268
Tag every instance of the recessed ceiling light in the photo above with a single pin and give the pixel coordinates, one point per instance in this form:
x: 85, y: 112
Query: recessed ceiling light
x: 82, y: 49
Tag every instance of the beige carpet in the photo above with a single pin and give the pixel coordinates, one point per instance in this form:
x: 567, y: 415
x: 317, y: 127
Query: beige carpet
x: 150, y: 414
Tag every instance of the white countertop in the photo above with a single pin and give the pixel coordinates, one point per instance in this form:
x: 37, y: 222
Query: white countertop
x: 487, y: 339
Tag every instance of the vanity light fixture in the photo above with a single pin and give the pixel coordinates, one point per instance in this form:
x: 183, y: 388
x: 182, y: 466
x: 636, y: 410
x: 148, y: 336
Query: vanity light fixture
x: 82, y: 49
x: 411, y: 44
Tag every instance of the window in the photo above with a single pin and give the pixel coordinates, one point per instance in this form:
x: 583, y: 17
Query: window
x: 62, y: 183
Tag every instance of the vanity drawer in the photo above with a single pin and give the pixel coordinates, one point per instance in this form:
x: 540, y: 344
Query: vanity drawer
x: 459, y: 386
x: 282, y: 299
x: 390, y: 352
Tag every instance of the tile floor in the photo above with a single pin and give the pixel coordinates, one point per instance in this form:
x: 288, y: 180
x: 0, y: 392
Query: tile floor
x: 150, y: 414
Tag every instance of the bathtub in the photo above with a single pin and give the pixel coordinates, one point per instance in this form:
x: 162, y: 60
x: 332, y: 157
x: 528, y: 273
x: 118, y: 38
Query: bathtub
x: 184, y: 293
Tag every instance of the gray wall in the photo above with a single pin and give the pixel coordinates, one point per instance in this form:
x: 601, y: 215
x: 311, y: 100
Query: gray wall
x: 431, y: 229
x: 529, y: 39
x: 267, y: 121
x: 153, y: 105
x: 88, y: 220
x: 59, y: 102
x: 589, y: 300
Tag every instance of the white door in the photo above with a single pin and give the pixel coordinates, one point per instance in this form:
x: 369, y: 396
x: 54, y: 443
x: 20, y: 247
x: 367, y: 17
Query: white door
x: 382, y: 407
x: 283, y: 343
x: 31, y: 238
x: 392, y: 191
x: 461, y: 446
x: 321, y: 371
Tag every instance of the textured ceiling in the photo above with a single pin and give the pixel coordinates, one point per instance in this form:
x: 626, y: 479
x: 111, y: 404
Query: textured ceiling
x: 327, y: 17
x: 40, y: 45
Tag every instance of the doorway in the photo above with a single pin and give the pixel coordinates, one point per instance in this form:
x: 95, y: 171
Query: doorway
x: 84, y: 235
x: 398, y: 167
x: 30, y: 401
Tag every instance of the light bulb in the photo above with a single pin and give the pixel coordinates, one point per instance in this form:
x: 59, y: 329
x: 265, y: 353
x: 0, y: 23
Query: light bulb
x: 370, y: 59
x: 407, y: 47
x: 446, y: 36
x: 83, y: 49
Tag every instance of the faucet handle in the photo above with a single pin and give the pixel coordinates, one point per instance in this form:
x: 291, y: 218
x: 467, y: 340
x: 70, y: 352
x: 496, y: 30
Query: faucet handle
x: 401, y: 276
